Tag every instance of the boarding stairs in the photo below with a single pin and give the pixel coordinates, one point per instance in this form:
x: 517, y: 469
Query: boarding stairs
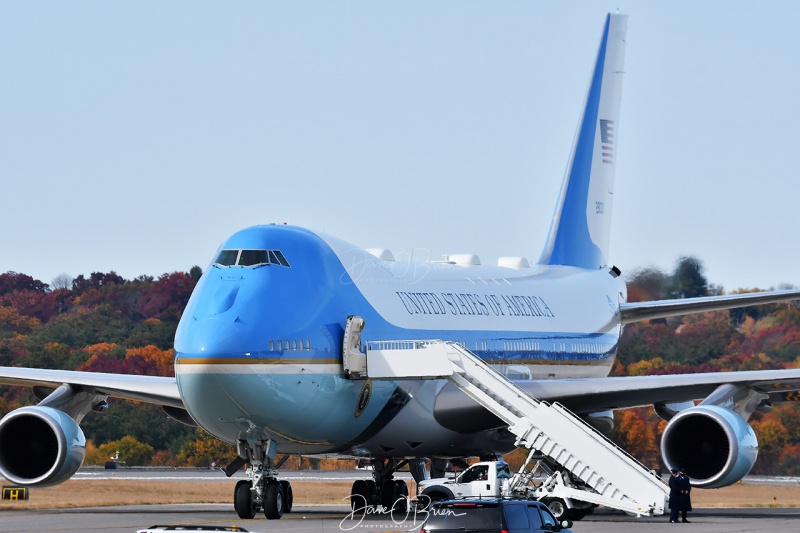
x: 615, y: 478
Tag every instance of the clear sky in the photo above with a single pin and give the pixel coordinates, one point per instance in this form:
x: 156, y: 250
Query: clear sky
x: 136, y: 136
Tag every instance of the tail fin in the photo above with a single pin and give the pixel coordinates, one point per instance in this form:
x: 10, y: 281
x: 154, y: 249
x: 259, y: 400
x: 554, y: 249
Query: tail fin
x: 579, y: 233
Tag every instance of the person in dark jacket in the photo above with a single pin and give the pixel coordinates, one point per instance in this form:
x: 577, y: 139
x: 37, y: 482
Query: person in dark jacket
x: 686, y: 499
x: 675, y: 500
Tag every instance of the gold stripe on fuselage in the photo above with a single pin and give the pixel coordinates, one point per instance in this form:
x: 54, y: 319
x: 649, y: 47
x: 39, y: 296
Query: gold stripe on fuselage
x: 257, y: 361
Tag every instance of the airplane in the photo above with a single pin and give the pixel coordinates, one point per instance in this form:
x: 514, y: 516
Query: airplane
x: 259, y: 350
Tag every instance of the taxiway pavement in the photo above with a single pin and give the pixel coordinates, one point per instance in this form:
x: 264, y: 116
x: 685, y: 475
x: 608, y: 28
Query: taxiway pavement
x: 331, y: 519
x: 336, y: 518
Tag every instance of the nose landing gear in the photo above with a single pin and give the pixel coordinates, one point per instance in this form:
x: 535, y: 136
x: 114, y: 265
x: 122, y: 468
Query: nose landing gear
x: 263, y: 490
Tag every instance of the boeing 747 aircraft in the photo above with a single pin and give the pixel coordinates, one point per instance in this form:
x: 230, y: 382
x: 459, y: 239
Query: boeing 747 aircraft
x: 262, y: 352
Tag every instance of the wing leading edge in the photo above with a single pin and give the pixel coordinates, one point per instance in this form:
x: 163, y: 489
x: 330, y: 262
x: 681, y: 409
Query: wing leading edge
x: 596, y: 394
x: 637, y: 311
x: 150, y: 389
x: 456, y: 411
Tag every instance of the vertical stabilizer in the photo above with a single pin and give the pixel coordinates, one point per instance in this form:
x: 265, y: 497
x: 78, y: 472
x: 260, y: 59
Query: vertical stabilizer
x: 579, y: 233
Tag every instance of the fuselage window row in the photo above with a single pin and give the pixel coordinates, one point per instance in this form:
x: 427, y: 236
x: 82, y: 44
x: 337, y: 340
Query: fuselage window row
x: 519, y: 346
x: 590, y: 347
x: 293, y: 345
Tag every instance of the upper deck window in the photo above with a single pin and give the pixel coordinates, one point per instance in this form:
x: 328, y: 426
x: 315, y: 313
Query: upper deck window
x: 248, y: 258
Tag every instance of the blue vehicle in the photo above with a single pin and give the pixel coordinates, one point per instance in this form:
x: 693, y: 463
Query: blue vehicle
x: 492, y: 515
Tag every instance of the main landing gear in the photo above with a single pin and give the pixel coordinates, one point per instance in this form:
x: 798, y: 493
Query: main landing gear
x: 263, y: 490
x: 383, y: 490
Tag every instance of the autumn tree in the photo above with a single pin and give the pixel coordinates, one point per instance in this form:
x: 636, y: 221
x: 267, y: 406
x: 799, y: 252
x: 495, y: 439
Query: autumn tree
x: 131, y: 451
x: 39, y: 304
x: 62, y: 281
x: 96, y: 280
x: 196, y: 273
x: 147, y: 423
x: 638, y: 431
x: 647, y: 284
x: 688, y: 279
x: 206, y: 449
x: 772, y: 438
x: 152, y: 332
x: 13, y: 281
x: 84, y: 327
x: 166, y: 298
x: 11, y: 322
x: 703, y: 337
x: 780, y: 342
x: 643, y: 341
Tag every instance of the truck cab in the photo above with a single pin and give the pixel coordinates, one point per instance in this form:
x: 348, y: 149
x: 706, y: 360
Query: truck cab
x: 487, y: 479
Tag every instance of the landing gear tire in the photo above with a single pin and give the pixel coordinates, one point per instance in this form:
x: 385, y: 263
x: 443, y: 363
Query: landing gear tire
x: 243, y: 500
x: 288, y: 498
x: 373, y: 498
x: 273, y: 500
x: 359, y: 495
x: 388, y: 494
x: 399, y: 491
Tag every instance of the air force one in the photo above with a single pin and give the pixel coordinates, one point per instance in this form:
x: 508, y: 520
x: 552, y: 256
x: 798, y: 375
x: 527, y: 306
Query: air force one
x: 270, y: 352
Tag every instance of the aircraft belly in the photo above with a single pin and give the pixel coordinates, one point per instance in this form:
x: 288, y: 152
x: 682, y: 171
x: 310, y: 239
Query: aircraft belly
x: 414, y: 432
x: 304, y: 412
x: 317, y: 413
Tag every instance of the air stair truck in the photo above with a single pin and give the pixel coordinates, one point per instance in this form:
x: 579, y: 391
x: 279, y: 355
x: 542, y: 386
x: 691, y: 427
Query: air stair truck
x: 493, y: 479
x: 585, y: 468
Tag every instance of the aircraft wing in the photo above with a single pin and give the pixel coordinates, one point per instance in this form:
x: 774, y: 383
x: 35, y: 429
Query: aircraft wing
x: 151, y: 389
x: 598, y: 394
x: 634, y: 312
x: 456, y: 411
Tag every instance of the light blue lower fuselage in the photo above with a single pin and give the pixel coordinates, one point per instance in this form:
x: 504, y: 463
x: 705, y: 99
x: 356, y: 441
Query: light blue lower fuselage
x: 258, y: 352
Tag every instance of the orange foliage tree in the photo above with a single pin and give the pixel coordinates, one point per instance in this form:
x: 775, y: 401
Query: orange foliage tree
x: 206, y: 449
x: 131, y: 451
x: 639, y: 431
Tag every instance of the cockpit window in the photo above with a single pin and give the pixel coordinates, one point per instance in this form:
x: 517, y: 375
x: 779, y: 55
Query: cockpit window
x: 253, y: 257
x: 227, y: 257
x: 249, y: 258
x: 276, y: 257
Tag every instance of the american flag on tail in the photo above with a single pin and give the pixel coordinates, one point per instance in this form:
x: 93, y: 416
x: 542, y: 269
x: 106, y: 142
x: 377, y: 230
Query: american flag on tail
x: 607, y: 140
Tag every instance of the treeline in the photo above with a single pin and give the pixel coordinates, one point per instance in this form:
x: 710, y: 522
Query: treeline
x: 105, y: 323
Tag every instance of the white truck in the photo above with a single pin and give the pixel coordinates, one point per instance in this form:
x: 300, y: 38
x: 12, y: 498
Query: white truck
x: 493, y: 479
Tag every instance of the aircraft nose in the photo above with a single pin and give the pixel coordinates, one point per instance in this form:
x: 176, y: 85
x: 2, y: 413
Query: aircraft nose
x: 224, y: 298
x: 210, y: 338
x: 215, y: 325
x: 219, y: 297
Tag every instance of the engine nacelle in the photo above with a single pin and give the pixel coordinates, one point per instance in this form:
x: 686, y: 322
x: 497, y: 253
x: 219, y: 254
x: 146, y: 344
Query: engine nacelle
x: 714, y: 445
x: 40, y: 446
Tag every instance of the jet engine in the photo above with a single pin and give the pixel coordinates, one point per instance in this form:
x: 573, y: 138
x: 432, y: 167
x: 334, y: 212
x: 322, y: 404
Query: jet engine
x: 715, y: 446
x: 40, y: 446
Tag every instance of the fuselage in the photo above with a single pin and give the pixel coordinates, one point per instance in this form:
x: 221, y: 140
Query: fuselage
x: 258, y: 352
